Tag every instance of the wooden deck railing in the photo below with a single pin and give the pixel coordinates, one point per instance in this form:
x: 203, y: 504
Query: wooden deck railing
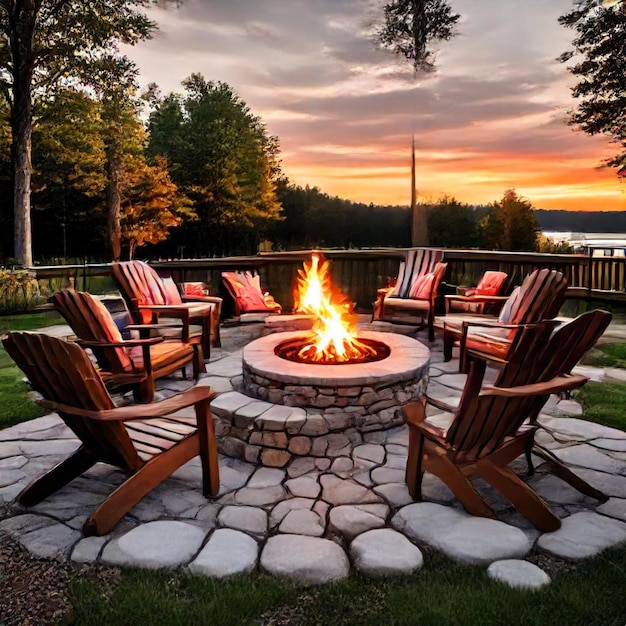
x: 359, y: 273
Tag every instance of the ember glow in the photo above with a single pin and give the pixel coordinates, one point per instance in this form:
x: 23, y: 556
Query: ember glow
x: 334, y: 335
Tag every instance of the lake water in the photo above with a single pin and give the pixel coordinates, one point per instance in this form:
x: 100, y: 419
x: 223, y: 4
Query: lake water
x: 603, y: 244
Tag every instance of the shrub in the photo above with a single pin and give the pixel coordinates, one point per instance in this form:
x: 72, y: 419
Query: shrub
x: 19, y: 291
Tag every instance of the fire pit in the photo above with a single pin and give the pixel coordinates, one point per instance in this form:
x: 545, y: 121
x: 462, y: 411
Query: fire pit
x: 390, y: 380
x: 346, y: 383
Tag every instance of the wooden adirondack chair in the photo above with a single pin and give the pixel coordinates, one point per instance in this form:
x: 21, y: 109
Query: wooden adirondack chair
x: 538, y: 298
x: 248, y: 297
x: 149, y: 442
x: 412, y: 299
x: 123, y: 363
x: 150, y: 297
x: 486, y: 293
x: 492, y: 426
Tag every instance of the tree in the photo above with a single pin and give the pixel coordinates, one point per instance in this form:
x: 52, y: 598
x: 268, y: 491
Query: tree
x: 411, y: 26
x: 150, y: 204
x: 511, y: 224
x: 44, y: 43
x: 68, y: 175
x: 451, y: 224
x: 220, y: 156
x: 600, y: 44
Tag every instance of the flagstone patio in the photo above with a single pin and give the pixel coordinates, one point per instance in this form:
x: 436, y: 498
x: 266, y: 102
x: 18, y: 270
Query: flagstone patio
x: 344, y: 508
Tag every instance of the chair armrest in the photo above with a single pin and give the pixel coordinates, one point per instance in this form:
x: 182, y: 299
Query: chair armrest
x: 555, y: 385
x: 170, y: 309
x: 439, y: 404
x: 138, y: 411
x: 207, y: 299
x: 127, y: 343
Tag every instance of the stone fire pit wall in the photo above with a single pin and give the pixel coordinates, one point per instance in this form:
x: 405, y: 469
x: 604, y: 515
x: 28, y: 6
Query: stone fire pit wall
x: 320, y: 411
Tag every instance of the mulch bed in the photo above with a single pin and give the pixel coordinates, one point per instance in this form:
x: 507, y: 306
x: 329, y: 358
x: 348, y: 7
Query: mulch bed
x: 34, y: 592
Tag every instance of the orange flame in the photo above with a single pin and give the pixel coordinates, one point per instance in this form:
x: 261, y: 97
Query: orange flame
x: 334, y: 334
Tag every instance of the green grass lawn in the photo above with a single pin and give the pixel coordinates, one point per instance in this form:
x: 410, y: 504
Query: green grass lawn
x: 443, y: 592
x: 16, y: 407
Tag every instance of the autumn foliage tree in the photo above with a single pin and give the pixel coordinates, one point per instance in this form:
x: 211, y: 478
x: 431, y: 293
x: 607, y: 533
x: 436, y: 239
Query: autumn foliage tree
x: 151, y: 204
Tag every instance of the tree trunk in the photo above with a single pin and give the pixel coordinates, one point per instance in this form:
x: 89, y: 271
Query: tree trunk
x: 21, y: 28
x: 114, y: 202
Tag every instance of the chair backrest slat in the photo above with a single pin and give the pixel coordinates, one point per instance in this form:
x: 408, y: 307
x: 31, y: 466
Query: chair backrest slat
x: 419, y: 261
x: 91, y: 321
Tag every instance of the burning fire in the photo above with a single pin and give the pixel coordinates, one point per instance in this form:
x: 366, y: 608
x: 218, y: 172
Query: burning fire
x: 334, y: 335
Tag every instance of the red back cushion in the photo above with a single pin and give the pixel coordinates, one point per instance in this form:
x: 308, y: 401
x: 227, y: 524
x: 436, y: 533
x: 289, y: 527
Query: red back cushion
x: 421, y: 287
x: 246, y: 290
x: 491, y: 283
x: 195, y: 289
x: 172, y: 295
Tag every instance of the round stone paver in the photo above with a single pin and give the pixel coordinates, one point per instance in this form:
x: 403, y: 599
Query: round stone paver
x: 228, y: 552
x: 519, y: 574
x: 307, y: 559
x: 583, y: 535
x: 155, y: 544
x: 385, y: 552
x: 473, y: 540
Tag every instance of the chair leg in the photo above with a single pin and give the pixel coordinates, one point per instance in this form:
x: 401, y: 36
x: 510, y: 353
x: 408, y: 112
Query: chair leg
x: 521, y: 496
x: 414, y: 471
x: 448, y: 345
x: 558, y: 468
x: 131, y: 491
x: 59, y: 476
x: 451, y: 475
x: 208, y: 449
x: 143, y: 392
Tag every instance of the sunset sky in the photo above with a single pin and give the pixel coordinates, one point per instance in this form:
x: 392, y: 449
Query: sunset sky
x: 491, y: 118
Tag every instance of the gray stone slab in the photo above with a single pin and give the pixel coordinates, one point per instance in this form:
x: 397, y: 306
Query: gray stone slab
x: 396, y: 494
x: 473, y: 540
x: 339, y: 491
x: 247, y: 518
x: 385, y: 552
x: 585, y: 455
x: 50, y: 542
x: 518, y: 574
x: 218, y: 384
x: 228, y: 552
x: 583, y: 535
x: 385, y: 475
x: 228, y: 366
x: 580, y: 429
x: 304, y: 486
x: 260, y: 496
x: 306, y: 559
x: 229, y: 403
x: 282, y: 508
x: 302, y: 522
x: 234, y: 475
x: 614, y: 507
x: 569, y: 408
x: 88, y: 549
x: 266, y: 477
x: 616, y: 445
x: 351, y: 521
x: 155, y: 544
x: 369, y: 452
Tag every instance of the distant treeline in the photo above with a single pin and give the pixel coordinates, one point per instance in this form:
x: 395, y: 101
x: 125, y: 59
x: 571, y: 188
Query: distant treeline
x: 579, y: 221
